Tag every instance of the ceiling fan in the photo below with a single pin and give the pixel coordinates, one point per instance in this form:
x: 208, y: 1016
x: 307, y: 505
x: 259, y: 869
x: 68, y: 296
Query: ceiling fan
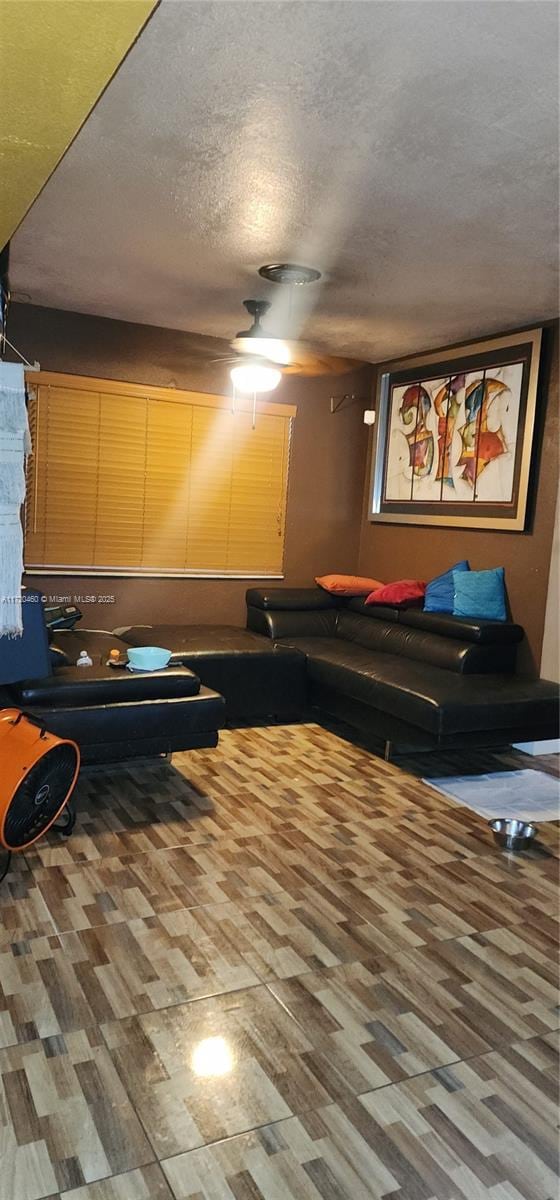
x: 261, y: 359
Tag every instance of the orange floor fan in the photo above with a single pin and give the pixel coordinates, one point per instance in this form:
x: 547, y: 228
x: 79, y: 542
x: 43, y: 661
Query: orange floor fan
x: 38, y: 772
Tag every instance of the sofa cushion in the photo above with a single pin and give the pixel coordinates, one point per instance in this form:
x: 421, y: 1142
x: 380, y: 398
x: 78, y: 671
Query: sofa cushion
x: 105, y: 685
x: 452, y: 654
x: 435, y: 700
x: 192, y: 641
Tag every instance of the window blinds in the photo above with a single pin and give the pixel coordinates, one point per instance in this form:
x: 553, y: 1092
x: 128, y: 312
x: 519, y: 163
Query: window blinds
x: 133, y: 480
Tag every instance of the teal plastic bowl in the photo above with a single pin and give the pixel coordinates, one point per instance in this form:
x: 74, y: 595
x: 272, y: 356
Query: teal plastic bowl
x: 148, y: 658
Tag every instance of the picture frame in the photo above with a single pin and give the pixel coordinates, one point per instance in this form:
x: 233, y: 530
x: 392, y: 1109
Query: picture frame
x: 454, y: 435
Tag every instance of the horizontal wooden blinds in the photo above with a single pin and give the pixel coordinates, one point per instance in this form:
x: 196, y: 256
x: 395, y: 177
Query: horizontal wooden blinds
x: 132, y: 480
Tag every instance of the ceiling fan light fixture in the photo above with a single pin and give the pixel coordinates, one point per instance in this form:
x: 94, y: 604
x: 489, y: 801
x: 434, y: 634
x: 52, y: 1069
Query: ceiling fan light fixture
x: 252, y: 377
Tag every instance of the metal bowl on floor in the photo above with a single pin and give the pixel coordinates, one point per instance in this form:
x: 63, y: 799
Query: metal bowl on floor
x: 513, y: 835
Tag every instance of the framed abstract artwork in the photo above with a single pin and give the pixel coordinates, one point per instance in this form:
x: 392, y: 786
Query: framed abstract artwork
x: 454, y: 435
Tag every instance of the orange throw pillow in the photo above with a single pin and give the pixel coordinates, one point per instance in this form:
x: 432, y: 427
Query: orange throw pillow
x: 347, y: 585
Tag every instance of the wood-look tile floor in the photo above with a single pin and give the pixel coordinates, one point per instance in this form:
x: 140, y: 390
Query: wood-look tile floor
x: 279, y: 970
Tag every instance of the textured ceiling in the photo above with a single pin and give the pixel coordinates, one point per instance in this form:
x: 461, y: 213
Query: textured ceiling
x: 408, y: 150
x: 55, y: 61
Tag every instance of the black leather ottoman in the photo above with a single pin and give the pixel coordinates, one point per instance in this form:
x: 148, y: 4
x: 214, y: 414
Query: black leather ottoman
x: 258, y: 680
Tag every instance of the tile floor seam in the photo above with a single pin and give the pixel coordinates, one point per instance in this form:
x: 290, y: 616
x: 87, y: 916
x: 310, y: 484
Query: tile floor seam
x: 232, y: 1136
x: 269, y: 985
x: 119, y: 1175
x: 136, y: 854
x: 130, y: 1099
x: 492, y: 1046
x: 144, y: 1012
x: 93, y: 1028
x: 60, y: 932
x: 251, y: 1129
x: 334, y: 1104
x: 212, y: 1141
x: 492, y: 1049
x: 211, y: 840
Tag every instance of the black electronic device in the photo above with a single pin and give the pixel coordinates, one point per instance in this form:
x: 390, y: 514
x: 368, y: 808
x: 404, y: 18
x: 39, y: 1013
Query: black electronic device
x: 61, y: 616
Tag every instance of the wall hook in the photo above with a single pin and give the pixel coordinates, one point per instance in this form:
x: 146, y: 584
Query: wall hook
x: 338, y: 401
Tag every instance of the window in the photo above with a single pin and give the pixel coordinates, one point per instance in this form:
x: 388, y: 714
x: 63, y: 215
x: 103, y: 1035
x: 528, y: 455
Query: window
x: 132, y: 480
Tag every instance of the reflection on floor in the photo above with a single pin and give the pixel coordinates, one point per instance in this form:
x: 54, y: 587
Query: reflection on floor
x: 283, y: 969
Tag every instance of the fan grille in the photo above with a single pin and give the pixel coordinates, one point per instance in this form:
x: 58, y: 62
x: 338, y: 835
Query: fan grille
x: 40, y: 796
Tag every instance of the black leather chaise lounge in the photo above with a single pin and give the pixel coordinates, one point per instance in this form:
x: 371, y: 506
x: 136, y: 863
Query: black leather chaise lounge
x: 258, y: 679
x: 111, y: 714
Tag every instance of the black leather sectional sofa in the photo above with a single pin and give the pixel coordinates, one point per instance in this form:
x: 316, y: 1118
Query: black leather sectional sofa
x: 407, y: 679
x: 410, y: 679
x: 255, y: 678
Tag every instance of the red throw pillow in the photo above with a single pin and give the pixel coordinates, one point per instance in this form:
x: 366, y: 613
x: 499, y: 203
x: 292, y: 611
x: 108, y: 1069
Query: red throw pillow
x: 347, y: 585
x: 400, y: 594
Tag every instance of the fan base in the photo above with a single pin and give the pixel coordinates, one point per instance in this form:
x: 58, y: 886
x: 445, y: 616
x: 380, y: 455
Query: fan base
x: 65, y: 829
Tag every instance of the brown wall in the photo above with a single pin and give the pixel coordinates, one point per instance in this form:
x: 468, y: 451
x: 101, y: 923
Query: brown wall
x: 326, y: 490
x: 415, y: 551
x: 326, y: 470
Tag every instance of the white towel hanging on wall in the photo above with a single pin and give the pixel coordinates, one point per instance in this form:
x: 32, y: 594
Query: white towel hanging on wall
x: 15, y: 444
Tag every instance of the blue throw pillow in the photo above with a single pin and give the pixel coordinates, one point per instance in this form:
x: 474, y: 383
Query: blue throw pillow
x: 480, y: 594
x: 440, y: 591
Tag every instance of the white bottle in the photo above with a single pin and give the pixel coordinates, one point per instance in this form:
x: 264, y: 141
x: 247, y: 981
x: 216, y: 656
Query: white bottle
x: 84, y: 659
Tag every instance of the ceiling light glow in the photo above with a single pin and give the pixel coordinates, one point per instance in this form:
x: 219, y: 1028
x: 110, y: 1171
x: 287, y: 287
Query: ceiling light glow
x: 274, y: 349
x: 249, y: 378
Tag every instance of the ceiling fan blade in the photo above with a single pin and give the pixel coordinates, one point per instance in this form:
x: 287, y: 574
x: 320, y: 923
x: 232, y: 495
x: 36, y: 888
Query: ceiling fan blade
x: 298, y: 358
x: 310, y: 363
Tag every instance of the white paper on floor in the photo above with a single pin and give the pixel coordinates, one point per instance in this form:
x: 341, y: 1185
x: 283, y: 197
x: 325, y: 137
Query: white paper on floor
x: 526, y: 795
